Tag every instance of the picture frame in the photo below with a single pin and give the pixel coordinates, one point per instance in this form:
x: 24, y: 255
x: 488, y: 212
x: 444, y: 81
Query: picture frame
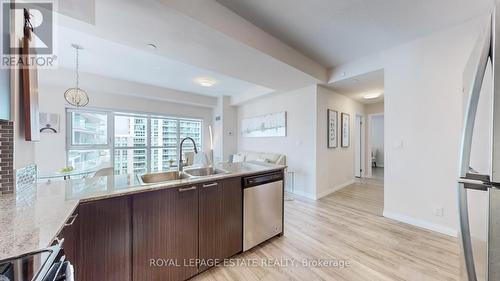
x: 268, y: 125
x: 49, y: 123
x: 345, y: 130
x: 332, y: 125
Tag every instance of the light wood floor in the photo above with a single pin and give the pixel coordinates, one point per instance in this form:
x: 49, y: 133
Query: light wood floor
x: 348, y: 226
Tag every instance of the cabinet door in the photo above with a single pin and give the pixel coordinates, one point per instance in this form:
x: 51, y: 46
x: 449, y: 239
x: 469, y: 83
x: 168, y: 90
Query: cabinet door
x: 104, y: 248
x: 210, y: 223
x: 232, y: 213
x: 70, y: 233
x: 165, y: 234
x: 220, y: 215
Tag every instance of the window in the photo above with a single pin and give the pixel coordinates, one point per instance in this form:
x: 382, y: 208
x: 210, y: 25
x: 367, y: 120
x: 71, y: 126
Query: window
x: 88, y: 140
x: 89, y: 128
x: 130, y: 144
x: 164, y: 141
x: 86, y: 159
x: 135, y: 143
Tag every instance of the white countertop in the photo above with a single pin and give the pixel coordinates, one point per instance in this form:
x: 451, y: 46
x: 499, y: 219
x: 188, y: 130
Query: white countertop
x: 30, y: 221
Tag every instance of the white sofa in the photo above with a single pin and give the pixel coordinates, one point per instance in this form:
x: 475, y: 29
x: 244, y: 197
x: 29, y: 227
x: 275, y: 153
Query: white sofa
x: 247, y: 156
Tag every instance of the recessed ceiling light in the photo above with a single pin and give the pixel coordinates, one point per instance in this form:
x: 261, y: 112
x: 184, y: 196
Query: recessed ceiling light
x: 151, y: 46
x: 371, y: 96
x: 205, y: 81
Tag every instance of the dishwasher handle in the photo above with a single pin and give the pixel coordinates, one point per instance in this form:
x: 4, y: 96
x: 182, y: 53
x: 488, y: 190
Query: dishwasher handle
x: 262, y: 179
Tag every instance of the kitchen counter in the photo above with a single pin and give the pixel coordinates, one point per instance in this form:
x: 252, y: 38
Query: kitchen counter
x: 29, y: 221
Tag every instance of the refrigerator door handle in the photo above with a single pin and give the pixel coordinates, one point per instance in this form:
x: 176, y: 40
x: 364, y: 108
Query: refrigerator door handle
x: 466, y: 146
x: 465, y: 240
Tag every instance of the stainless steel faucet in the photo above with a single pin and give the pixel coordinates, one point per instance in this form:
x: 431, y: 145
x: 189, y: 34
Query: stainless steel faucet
x: 180, y: 165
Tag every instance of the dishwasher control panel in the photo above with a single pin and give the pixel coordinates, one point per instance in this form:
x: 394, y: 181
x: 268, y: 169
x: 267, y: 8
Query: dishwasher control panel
x: 262, y: 179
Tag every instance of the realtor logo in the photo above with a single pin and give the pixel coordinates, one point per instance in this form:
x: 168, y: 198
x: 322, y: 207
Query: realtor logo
x: 38, y: 16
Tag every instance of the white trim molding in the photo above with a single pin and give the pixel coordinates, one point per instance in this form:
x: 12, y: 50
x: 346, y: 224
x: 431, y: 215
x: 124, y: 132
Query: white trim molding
x: 333, y: 189
x: 421, y: 223
x: 324, y: 193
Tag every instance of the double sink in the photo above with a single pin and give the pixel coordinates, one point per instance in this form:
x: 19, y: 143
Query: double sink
x: 176, y: 175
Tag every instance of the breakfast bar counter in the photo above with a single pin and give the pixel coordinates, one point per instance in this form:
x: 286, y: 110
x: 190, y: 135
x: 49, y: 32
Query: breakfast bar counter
x: 31, y: 220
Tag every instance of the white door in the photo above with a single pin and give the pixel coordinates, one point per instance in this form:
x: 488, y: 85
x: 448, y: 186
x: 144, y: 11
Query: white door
x: 357, y: 146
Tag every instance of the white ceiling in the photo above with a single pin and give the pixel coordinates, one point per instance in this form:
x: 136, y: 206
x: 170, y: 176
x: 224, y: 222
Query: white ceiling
x: 110, y: 59
x: 115, y: 46
x: 356, y: 87
x: 333, y: 32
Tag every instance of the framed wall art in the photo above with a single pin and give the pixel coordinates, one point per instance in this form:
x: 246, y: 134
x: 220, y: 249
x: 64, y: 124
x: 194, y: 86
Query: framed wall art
x: 345, y: 130
x: 332, y: 122
x: 49, y: 123
x: 269, y: 125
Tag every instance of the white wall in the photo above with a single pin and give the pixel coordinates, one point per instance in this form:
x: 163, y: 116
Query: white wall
x: 377, y: 138
x: 225, y: 129
x: 50, y: 153
x: 335, y: 166
x: 424, y: 111
x: 299, y: 144
x: 318, y: 170
x: 423, y: 120
x: 374, y: 108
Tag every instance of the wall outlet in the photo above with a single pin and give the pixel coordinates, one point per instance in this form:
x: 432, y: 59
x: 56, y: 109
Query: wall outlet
x: 439, y: 212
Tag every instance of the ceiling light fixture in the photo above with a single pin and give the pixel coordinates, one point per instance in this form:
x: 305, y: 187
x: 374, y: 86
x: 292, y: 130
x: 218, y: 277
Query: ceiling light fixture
x: 76, y: 96
x: 205, y: 82
x: 371, y: 96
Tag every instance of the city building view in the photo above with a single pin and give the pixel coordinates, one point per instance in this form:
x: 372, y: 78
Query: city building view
x: 139, y: 143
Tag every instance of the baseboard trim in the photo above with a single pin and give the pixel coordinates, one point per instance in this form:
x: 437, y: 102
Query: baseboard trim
x: 421, y: 223
x: 304, y: 194
x: 333, y: 189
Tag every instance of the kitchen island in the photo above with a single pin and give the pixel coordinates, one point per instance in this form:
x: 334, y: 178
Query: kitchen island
x: 115, y: 228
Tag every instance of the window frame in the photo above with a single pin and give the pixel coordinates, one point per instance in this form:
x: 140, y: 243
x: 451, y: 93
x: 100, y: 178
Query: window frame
x: 69, y: 129
x: 111, y: 146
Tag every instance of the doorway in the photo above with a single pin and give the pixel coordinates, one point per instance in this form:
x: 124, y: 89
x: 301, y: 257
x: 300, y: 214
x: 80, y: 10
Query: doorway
x: 358, y: 146
x: 376, y: 146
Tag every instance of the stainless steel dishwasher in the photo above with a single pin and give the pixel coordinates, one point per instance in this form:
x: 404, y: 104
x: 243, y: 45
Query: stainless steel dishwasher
x: 262, y: 208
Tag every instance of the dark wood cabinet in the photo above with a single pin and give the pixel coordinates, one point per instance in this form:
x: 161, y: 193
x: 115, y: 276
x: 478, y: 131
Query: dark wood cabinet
x: 104, y: 248
x: 165, y: 234
x: 232, y: 217
x: 220, y: 221
x: 70, y: 233
x: 156, y: 235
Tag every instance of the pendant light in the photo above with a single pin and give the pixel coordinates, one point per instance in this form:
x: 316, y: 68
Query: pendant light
x: 76, y: 96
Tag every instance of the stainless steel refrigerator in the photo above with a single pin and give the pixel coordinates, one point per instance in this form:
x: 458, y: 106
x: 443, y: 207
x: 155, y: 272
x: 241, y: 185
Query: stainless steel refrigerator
x: 479, y: 182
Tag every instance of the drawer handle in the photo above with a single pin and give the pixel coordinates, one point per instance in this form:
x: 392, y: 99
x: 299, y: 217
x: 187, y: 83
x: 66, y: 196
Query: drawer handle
x: 59, y: 241
x: 211, y: 184
x: 71, y: 220
x: 187, y: 189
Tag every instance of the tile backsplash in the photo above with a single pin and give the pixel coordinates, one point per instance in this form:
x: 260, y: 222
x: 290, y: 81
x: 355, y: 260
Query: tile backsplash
x: 26, y: 177
x: 7, y: 176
